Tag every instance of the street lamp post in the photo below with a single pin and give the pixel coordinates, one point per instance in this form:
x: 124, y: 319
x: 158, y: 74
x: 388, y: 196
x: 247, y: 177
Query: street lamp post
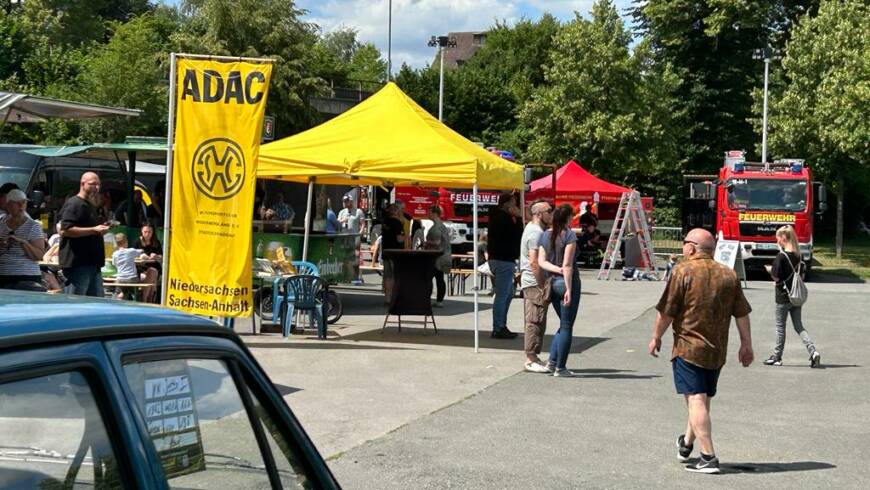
x: 442, y: 42
x: 765, y: 54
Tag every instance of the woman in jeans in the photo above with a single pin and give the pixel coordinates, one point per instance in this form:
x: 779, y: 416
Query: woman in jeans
x: 556, y: 257
x: 786, y: 264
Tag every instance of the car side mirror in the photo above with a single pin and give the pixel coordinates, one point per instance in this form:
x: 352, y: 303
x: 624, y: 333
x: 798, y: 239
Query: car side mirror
x: 714, y: 194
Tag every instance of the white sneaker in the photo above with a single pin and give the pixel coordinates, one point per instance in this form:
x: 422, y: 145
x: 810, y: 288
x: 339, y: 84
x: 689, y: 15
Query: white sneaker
x: 536, y: 367
x: 563, y: 373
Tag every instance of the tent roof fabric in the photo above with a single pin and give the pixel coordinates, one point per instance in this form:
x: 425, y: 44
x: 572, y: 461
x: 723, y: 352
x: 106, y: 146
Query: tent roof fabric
x: 25, y: 108
x: 574, y: 182
x: 386, y: 139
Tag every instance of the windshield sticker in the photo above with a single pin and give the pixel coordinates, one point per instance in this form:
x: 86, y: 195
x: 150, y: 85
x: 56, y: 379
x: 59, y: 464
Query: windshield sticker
x: 767, y: 217
x: 172, y: 422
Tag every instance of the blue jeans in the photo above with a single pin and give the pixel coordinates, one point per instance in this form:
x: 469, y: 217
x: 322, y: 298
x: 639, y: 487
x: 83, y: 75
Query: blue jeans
x: 561, y: 345
x: 84, y: 280
x: 503, y: 283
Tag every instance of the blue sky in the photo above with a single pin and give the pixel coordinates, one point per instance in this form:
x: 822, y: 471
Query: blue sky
x: 415, y: 21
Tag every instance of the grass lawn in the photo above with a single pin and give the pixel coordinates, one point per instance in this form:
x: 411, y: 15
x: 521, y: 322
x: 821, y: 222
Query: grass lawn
x: 855, y: 262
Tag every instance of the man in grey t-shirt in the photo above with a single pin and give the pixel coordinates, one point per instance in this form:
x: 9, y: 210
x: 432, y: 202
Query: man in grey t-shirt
x: 535, y: 294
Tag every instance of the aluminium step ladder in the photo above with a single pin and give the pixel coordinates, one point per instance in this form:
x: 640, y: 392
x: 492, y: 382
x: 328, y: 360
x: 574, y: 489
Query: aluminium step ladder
x: 629, y: 213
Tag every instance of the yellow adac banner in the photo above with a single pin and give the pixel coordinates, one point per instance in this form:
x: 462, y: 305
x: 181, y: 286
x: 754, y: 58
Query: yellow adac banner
x: 219, y: 120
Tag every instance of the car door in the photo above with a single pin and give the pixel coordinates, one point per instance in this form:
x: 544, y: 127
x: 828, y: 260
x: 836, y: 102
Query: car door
x: 60, y: 425
x: 211, y: 418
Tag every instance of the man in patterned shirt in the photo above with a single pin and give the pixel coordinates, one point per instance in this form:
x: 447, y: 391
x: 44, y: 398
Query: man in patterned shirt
x: 700, y: 299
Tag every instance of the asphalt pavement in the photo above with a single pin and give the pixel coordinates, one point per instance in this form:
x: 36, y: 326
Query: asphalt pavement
x: 414, y: 410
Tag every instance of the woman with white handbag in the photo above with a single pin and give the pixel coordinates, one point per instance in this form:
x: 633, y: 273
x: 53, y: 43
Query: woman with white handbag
x: 787, y: 271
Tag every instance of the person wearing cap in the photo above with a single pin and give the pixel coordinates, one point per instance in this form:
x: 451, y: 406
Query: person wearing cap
x: 22, y: 245
x: 4, y: 190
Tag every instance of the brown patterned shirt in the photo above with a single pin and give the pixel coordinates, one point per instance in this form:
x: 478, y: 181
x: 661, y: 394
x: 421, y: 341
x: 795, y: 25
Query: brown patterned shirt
x: 701, y: 296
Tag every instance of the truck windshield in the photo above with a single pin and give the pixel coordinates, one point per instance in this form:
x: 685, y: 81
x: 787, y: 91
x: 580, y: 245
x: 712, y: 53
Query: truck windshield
x: 18, y: 176
x: 767, y: 194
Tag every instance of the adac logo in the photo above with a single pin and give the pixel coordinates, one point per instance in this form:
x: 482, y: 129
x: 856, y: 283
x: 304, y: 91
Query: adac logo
x: 767, y: 217
x: 218, y: 168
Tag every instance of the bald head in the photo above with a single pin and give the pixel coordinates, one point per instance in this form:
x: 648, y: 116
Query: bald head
x: 703, y: 240
x: 89, y: 187
x: 540, y: 213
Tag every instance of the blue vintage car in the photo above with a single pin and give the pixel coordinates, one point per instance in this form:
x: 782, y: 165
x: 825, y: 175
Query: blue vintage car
x: 106, y: 394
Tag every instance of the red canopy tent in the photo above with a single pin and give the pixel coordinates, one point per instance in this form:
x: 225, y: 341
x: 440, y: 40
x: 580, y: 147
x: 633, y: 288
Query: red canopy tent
x: 574, y: 183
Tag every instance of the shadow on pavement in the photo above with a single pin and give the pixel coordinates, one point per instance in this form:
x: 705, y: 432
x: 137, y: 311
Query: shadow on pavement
x: 329, y: 344
x: 286, y: 390
x: 837, y: 366
x: 366, y: 303
x: 761, y: 468
x: 839, y: 276
x: 413, y: 333
x: 612, y: 374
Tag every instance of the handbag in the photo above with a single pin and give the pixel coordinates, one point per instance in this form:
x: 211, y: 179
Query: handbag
x: 484, y: 269
x: 797, y: 291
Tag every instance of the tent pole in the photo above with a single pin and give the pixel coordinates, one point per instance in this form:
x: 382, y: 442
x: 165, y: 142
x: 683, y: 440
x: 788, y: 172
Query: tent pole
x: 476, y: 279
x: 167, y: 204
x: 307, y: 220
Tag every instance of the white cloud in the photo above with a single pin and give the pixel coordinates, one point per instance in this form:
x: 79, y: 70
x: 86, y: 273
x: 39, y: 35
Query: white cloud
x: 415, y: 21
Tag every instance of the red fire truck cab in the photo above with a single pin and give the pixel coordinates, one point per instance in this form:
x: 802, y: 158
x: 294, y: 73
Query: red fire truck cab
x: 749, y: 201
x: 457, y: 210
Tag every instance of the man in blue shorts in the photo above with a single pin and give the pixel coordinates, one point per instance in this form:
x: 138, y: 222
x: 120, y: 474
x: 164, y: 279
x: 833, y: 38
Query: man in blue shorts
x: 700, y: 298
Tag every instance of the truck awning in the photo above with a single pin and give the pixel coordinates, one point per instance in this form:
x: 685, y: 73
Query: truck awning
x: 145, y: 151
x: 25, y: 108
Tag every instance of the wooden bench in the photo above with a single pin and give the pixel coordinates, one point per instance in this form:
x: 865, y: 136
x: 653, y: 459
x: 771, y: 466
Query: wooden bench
x: 135, y: 288
x: 456, y: 280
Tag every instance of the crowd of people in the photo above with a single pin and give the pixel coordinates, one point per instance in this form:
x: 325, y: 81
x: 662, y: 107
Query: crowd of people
x: 699, y: 301
x: 76, y: 251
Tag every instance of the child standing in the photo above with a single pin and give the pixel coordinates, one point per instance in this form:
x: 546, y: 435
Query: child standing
x: 124, y: 260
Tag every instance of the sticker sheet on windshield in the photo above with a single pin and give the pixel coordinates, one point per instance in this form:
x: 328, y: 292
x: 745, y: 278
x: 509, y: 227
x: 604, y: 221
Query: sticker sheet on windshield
x: 172, y: 423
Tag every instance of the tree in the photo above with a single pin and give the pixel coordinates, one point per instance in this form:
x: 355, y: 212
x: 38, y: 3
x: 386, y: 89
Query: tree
x: 340, y: 58
x: 709, y: 44
x: 129, y: 71
x: 483, y: 97
x: 602, y: 106
x: 822, y: 112
x: 266, y: 29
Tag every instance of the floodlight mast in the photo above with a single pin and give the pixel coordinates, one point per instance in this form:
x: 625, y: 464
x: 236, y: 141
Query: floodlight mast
x: 442, y: 42
x: 765, y: 54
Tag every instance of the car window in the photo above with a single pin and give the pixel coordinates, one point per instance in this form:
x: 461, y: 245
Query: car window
x: 290, y: 469
x: 52, y: 435
x: 198, y: 425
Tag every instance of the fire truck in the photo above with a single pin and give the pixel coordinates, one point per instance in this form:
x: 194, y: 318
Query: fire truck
x: 457, y: 206
x: 749, y: 201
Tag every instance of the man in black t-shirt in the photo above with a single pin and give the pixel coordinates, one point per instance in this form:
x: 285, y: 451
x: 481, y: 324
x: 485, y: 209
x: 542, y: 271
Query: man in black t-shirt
x: 392, y: 237
x: 505, y: 229
x: 82, y: 254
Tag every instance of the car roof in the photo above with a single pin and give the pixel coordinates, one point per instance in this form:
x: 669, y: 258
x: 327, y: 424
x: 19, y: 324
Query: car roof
x: 36, y: 318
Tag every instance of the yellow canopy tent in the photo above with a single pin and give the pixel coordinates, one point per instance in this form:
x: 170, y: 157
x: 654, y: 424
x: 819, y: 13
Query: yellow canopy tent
x: 388, y: 140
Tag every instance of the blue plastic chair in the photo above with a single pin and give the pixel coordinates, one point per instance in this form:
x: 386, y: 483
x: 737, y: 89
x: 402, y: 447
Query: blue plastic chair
x: 302, y: 267
x: 304, y: 293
